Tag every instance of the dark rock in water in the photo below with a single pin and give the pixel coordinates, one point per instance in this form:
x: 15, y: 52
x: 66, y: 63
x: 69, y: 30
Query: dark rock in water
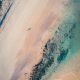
x: 62, y: 55
x: 0, y: 3
x: 4, y: 9
x: 47, y: 60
